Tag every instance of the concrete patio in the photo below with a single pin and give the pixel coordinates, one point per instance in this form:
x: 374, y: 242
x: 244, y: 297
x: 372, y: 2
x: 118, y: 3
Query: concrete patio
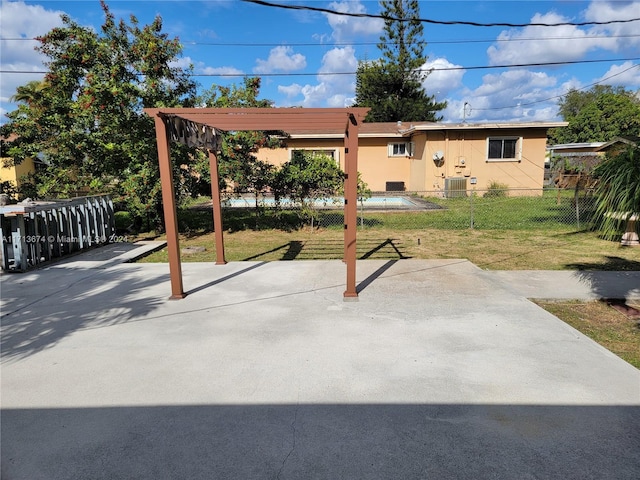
x: 440, y: 370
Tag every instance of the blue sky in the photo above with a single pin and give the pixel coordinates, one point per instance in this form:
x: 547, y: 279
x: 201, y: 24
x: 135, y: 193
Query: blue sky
x: 307, y: 58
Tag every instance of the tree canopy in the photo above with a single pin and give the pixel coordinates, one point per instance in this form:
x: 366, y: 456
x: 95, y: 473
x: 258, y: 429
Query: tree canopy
x: 598, y: 115
x: 85, y: 121
x: 238, y: 166
x: 392, y: 86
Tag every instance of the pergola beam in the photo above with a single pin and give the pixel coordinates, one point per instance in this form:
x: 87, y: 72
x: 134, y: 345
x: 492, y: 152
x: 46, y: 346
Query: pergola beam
x: 199, y: 127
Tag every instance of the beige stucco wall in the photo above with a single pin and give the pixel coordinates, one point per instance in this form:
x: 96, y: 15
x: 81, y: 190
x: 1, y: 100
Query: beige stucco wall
x: 13, y: 173
x: 374, y: 164
x: 471, y: 146
x: 421, y: 173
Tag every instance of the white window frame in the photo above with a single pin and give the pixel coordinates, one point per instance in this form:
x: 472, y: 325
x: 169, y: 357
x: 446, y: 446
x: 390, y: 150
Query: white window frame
x: 332, y: 152
x: 518, y: 156
x: 408, y: 149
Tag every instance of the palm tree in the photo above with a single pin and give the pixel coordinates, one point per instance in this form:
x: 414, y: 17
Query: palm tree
x: 29, y: 93
x: 618, y: 191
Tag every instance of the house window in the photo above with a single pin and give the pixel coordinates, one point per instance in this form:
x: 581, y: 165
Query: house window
x: 404, y: 149
x: 504, y: 149
x: 329, y: 153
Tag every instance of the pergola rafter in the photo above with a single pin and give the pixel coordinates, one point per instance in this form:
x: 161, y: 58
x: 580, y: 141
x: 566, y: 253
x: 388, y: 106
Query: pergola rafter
x: 201, y: 127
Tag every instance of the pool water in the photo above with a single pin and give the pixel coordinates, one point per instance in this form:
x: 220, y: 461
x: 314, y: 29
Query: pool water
x: 372, y: 202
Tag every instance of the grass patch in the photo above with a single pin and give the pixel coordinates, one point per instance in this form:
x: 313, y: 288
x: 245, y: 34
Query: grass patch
x: 492, y: 250
x: 509, y: 233
x: 617, y: 332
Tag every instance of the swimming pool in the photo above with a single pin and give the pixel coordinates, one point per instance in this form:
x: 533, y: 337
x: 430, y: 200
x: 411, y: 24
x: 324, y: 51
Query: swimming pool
x: 371, y: 202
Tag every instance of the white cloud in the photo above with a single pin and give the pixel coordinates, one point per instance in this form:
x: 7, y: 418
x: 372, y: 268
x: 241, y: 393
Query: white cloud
x: 441, y: 82
x: 226, y: 71
x: 568, y: 42
x: 349, y: 27
x: 183, y: 62
x: 290, y: 90
x: 331, y: 90
x: 281, y: 58
x: 626, y: 33
x: 201, y: 68
x: 555, y: 44
x: 18, y: 20
x: 626, y: 75
x: 514, y: 95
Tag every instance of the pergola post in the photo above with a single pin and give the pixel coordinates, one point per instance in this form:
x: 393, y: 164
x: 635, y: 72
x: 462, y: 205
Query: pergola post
x: 346, y: 189
x: 169, y: 204
x: 351, y: 204
x: 199, y: 127
x: 217, y: 207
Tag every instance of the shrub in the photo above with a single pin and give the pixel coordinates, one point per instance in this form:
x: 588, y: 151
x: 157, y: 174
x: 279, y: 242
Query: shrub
x: 124, y: 221
x: 496, y: 189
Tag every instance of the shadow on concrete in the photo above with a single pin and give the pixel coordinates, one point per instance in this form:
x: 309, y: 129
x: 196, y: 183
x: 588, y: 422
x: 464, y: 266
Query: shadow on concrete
x: 371, y: 278
x: 74, y: 300
x: 601, y: 276
x: 346, y: 441
x: 227, y: 277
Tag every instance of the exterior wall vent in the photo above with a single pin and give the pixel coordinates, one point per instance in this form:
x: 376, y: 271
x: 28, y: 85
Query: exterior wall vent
x: 455, y: 187
x: 395, y: 187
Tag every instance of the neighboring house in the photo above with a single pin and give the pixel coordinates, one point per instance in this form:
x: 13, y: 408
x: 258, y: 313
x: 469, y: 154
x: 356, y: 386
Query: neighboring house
x: 569, y: 165
x: 435, y: 157
x: 10, y: 172
x: 618, y: 144
x: 573, y: 162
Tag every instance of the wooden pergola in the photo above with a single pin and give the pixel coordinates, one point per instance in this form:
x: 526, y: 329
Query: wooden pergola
x: 201, y: 127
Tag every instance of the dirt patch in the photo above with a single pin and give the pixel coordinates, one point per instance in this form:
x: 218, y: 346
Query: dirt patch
x: 629, y: 310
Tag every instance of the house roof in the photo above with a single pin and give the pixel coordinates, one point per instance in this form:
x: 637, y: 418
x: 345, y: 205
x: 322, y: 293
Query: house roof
x: 406, y: 129
x: 629, y: 140
x: 573, y: 146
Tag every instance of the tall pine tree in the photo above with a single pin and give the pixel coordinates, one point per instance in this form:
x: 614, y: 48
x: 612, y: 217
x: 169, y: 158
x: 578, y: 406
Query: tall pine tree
x: 392, y: 86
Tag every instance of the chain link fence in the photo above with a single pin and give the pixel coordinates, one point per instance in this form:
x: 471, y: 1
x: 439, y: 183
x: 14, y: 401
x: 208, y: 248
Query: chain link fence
x: 551, y: 208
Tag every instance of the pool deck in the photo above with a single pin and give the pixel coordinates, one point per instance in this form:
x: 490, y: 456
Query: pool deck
x: 375, y: 202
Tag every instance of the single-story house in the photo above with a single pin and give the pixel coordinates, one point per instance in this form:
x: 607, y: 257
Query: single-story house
x: 9, y: 171
x: 579, y: 159
x: 441, y: 158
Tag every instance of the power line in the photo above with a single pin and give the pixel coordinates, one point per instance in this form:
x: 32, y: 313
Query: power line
x: 560, y: 96
x: 539, y: 64
x: 435, y: 22
x: 435, y: 69
x: 355, y: 44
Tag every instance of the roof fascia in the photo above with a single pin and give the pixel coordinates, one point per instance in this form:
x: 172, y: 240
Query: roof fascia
x: 486, y: 126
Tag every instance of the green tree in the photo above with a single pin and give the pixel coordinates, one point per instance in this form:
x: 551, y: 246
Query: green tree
x: 617, y: 191
x: 392, y: 86
x: 87, y: 123
x: 307, y: 179
x: 598, y: 115
x: 29, y: 93
x: 239, y: 168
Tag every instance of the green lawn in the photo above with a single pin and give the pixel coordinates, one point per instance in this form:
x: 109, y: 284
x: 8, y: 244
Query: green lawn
x: 538, y: 233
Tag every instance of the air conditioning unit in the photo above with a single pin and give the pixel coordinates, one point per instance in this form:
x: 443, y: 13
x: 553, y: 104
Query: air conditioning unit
x: 455, y: 187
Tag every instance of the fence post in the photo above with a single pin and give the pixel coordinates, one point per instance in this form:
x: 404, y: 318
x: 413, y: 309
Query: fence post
x: 576, y: 198
x: 471, y: 208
